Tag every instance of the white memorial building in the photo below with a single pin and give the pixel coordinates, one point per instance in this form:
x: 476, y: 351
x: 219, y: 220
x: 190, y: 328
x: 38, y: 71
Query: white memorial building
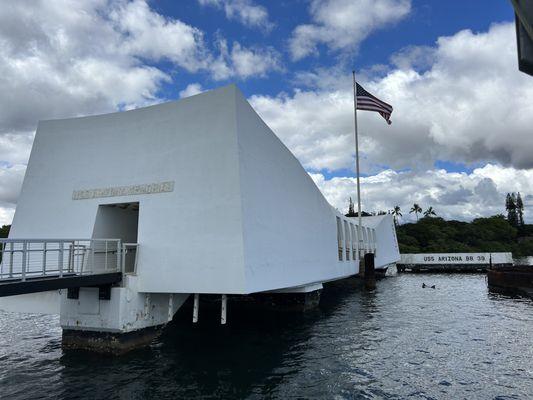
x: 207, y: 198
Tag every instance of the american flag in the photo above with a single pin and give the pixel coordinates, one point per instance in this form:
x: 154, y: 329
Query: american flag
x: 365, y: 101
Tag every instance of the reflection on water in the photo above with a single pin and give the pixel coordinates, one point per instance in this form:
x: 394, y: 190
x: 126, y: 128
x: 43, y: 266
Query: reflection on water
x: 400, y: 341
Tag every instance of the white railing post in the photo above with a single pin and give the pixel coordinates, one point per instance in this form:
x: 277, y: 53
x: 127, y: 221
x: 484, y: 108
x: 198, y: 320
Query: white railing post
x: 105, y: 259
x: 3, y: 262
x: 60, y: 258
x: 120, y: 257
x: 44, y: 257
x: 91, y: 249
x: 23, y: 272
x: 11, y: 261
x: 81, y: 257
x: 70, y: 263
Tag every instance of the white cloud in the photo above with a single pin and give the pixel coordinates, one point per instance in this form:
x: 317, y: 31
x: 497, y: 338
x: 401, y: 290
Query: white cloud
x: 11, y: 178
x: 66, y: 58
x: 469, y: 104
x: 344, y: 24
x: 15, y: 148
x: 148, y: 34
x: 316, y: 126
x: 254, y: 62
x: 245, y: 62
x: 191, y: 90
x: 244, y: 11
x: 7, y: 211
x: 453, y: 195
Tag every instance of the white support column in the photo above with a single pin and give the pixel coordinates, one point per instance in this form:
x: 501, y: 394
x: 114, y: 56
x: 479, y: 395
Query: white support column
x: 195, y: 308
x: 223, y: 310
x: 170, y: 306
x: 146, y: 303
x: 24, y: 254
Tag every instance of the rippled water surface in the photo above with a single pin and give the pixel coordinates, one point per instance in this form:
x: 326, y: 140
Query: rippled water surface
x: 400, y: 341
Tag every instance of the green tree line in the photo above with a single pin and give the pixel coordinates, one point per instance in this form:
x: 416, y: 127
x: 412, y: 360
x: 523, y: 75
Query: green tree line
x: 432, y: 234
x: 4, y: 231
x: 492, y: 234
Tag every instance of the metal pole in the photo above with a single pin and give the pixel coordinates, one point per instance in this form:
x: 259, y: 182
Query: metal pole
x: 357, y: 159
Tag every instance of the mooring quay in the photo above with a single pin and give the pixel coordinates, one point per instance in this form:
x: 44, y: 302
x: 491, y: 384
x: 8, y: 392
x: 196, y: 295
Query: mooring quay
x: 182, y: 199
x: 452, y: 262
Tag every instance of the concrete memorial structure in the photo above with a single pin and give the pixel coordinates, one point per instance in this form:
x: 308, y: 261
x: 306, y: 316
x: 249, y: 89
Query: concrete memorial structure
x: 208, y: 200
x: 382, y: 227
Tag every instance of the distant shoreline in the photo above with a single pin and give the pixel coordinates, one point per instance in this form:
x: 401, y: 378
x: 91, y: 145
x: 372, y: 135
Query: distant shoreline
x: 482, y: 235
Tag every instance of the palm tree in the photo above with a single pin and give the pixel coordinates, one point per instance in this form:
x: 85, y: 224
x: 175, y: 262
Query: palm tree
x: 397, y: 213
x: 429, y: 212
x: 351, y: 211
x: 416, y: 209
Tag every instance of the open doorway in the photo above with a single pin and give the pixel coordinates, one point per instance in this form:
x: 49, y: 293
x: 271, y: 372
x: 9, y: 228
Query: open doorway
x: 119, y: 221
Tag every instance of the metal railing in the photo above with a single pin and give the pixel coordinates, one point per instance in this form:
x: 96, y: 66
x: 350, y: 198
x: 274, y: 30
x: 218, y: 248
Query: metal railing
x: 34, y: 258
x: 129, y: 258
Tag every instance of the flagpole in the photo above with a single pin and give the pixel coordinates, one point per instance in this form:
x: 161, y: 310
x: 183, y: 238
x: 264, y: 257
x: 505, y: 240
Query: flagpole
x: 357, y: 160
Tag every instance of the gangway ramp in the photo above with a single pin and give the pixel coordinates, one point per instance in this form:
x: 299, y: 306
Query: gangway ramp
x: 38, y: 265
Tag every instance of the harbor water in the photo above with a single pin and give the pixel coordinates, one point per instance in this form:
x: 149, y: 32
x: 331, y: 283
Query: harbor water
x: 457, y: 341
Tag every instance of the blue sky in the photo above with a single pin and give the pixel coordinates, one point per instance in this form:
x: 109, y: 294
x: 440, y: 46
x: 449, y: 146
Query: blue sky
x: 460, y: 137
x: 428, y: 21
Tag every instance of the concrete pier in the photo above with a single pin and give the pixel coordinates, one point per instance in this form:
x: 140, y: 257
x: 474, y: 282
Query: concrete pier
x: 367, y: 273
x: 125, y: 320
x: 109, y: 342
x: 277, y: 302
x: 290, y: 302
